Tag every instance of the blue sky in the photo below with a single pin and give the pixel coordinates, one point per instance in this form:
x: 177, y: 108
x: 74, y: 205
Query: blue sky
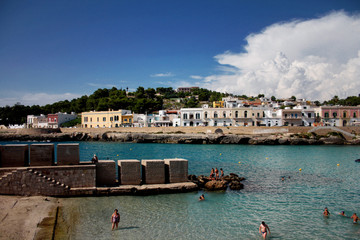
x: 57, y: 50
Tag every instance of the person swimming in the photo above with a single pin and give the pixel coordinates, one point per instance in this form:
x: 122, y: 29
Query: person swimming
x: 202, y: 197
x: 326, y: 212
x: 355, y: 218
x: 342, y: 213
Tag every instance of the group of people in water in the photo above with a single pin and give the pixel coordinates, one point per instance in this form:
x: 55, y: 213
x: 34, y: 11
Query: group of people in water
x: 354, y: 217
x: 214, y: 174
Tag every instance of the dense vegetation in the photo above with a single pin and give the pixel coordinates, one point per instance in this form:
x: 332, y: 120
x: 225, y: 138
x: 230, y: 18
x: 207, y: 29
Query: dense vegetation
x: 141, y: 101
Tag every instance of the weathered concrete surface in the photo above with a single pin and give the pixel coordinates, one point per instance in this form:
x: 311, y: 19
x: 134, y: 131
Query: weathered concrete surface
x: 14, y: 155
x: 148, y: 189
x: 176, y: 170
x: 42, y: 155
x: 153, y: 171
x: 129, y: 172
x: 68, y: 154
x: 105, y: 173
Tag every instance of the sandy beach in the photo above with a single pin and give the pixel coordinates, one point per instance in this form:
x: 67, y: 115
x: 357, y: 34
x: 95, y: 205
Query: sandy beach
x: 27, y: 217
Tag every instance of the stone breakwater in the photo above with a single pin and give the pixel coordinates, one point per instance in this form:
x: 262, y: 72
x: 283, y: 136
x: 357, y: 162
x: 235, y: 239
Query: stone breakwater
x: 312, y: 138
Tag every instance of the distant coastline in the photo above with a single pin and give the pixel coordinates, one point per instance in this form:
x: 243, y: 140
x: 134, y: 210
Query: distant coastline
x: 194, y: 135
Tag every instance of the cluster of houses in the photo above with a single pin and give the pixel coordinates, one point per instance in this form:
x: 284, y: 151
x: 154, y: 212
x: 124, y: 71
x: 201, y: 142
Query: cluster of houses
x: 230, y: 112
x: 49, y: 121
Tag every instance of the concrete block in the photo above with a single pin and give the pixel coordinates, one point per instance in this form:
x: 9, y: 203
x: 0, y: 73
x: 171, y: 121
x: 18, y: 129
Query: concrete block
x: 105, y: 173
x: 153, y: 171
x: 42, y: 155
x: 176, y: 170
x: 68, y: 154
x: 129, y: 172
x: 14, y: 155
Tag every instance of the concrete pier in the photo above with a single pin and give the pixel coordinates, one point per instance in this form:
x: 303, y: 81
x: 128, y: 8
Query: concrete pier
x: 105, y: 173
x: 129, y: 172
x: 68, y: 154
x: 42, y: 155
x: 15, y: 155
x: 176, y: 170
x: 153, y: 171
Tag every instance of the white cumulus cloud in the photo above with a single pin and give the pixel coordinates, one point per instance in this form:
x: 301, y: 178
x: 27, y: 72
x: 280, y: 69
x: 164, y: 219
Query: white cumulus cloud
x: 29, y: 99
x: 168, y: 74
x: 314, y: 59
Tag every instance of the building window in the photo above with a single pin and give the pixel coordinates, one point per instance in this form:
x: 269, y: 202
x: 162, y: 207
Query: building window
x: 296, y: 115
x: 116, y: 118
x: 206, y: 115
x: 197, y: 115
x: 354, y: 115
x: 104, y: 119
x: 97, y: 119
x: 245, y: 114
x: 185, y: 116
x: 130, y: 120
x: 224, y: 114
x: 215, y: 115
x: 344, y: 114
x: 326, y: 115
x: 111, y: 119
x: 86, y: 119
x: 335, y: 114
x: 236, y: 114
x: 258, y: 115
x: 191, y: 116
x: 309, y: 115
x: 90, y: 119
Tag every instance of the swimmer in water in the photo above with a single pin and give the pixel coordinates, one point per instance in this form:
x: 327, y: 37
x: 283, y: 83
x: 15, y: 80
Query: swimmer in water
x: 355, y: 218
x: 202, y: 197
x: 326, y: 212
x: 342, y: 213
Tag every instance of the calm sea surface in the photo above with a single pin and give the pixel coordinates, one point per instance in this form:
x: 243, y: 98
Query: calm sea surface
x: 292, y: 208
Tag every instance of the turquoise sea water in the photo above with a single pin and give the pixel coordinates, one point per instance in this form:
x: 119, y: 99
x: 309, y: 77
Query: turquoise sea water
x: 292, y: 208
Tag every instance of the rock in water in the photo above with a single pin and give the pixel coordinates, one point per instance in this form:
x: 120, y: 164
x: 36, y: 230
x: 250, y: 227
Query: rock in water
x: 357, y: 160
x: 216, y: 185
x: 235, y: 185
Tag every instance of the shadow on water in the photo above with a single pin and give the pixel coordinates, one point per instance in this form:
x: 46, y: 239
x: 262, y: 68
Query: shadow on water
x: 127, y: 228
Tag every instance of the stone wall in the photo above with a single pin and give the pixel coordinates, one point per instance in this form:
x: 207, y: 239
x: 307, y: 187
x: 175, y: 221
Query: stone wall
x: 105, y: 173
x: 153, y: 171
x: 42, y: 155
x: 176, y: 170
x: 68, y: 154
x: 14, y: 155
x: 129, y: 172
x: 49, y: 181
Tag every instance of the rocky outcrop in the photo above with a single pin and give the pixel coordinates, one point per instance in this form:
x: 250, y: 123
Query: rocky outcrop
x: 274, y: 139
x: 232, y: 181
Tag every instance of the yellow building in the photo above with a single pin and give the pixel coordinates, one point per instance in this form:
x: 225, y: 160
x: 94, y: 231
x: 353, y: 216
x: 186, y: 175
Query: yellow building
x: 106, y: 119
x: 218, y: 104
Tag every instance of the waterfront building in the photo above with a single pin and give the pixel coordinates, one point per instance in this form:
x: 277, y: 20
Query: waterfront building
x: 340, y: 115
x: 273, y: 117
x: 192, y: 117
x: 186, y: 89
x: 107, y: 119
x: 36, y: 121
x: 55, y: 120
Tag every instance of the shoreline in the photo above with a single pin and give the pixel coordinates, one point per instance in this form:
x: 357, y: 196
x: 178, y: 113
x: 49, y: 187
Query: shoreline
x: 194, y: 135
x: 27, y: 218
